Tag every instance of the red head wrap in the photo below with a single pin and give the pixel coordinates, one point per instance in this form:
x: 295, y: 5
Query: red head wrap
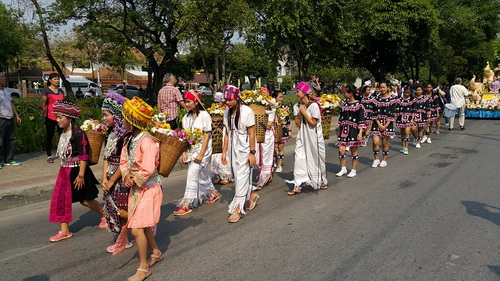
x: 231, y: 92
x: 192, y: 95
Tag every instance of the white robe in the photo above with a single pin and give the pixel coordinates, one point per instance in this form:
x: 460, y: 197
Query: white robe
x: 237, y: 154
x: 199, y: 185
x: 265, y: 152
x: 220, y: 170
x: 309, y: 167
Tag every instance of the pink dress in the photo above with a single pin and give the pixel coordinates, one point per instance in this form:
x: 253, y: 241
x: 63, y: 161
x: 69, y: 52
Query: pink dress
x: 146, y: 196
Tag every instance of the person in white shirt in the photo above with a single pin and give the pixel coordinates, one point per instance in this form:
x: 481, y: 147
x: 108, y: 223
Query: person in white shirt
x: 8, y: 119
x: 458, y: 93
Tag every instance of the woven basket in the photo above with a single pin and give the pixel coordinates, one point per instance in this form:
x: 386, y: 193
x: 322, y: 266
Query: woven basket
x: 278, y: 132
x: 171, y: 149
x: 96, y: 139
x: 326, y: 123
x: 260, y: 118
x: 217, y: 133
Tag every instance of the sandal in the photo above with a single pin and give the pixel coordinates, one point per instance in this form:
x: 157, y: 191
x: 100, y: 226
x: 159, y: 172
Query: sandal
x: 231, y: 219
x: 294, y: 191
x: 224, y: 182
x: 140, y: 278
x: 158, y: 258
x: 212, y: 199
x: 50, y: 160
x: 252, y: 204
x: 323, y: 187
x: 182, y: 211
x: 111, y: 249
x: 259, y: 188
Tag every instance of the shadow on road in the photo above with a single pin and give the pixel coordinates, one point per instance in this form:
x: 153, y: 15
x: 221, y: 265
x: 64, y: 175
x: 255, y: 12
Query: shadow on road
x: 495, y: 269
x: 37, y: 278
x: 483, y: 211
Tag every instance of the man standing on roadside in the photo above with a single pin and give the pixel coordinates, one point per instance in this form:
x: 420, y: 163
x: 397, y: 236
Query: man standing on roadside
x: 169, y: 99
x: 7, y: 125
x: 457, y: 94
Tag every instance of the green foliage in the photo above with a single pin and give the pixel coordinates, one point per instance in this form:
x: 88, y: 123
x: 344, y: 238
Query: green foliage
x: 11, y: 36
x: 243, y: 61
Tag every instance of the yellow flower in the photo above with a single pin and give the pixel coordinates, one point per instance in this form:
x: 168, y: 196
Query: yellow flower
x: 32, y: 118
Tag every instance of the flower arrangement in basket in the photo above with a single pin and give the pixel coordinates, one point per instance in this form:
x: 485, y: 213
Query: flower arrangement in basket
x: 262, y: 104
x: 328, y: 104
x: 172, y: 142
x: 216, y: 111
x: 95, y: 132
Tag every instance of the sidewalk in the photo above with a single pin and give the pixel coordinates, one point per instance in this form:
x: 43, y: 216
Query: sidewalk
x: 34, y: 180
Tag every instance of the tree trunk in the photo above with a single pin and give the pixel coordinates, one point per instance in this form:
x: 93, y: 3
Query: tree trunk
x: 51, y: 58
x: 223, y: 67
x: 217, y: 77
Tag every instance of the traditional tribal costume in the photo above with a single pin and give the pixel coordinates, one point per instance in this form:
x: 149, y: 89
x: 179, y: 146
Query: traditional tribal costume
x: 383, y: 110
x: 434, y: 107
x: 140, y: 158
x: 368, y: 105
x: 239, y: 149
x: 351, y: 120
x: 117, y: 197
x: 73, y: 147
x: 422, y: 111
x: 309, y: 166
x: 199, y: 185
x: 223, y: 172
x: 265, y: 157
x: 404, y: 112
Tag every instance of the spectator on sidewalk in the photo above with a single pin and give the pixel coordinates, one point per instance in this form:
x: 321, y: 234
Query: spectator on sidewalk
x: 49, y: 96
x: 458, y: 93
x: 8, y: 119
x: 169, y: 99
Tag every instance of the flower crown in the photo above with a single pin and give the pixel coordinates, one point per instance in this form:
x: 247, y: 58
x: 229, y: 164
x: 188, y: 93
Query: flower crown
x: 138, y: 113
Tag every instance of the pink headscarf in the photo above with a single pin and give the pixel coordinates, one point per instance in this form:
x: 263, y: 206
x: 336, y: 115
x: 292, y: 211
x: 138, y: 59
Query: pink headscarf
x: 303, y: 87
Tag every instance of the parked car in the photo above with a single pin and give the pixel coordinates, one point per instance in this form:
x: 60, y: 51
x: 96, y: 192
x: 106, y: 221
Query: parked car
x: 130, y: 91
x: 205, y: 90
x: 85, y: 85
x: 15, y: 93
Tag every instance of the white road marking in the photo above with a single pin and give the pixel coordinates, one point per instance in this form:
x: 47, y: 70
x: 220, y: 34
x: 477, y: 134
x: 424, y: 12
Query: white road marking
x: 25, y: 253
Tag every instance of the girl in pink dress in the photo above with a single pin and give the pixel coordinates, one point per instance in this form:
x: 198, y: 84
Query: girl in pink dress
x: 138, y: 164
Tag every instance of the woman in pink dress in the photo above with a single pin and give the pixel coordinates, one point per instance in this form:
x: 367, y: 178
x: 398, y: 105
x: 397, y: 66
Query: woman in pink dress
x: 138, y: 164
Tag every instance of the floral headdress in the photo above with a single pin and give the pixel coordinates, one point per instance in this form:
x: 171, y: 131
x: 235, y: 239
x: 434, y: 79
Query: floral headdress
x: 138, y: 113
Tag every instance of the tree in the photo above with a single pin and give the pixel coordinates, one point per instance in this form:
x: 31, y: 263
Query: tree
x: 11, y: 36
x: 148, y: 26
x: 210, y: 26
x: 244, y: 61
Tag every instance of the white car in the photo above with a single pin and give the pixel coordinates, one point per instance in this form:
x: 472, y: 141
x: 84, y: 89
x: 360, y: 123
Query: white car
x: 15, y: 93
x: 205, y: 90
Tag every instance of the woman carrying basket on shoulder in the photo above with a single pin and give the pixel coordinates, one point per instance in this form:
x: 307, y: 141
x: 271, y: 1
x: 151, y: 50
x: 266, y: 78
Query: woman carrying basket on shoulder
x: 75, y: 181
x: 115, y: 193
x: 138, y: 164
x: 199, y: 186
x: 223, y: 173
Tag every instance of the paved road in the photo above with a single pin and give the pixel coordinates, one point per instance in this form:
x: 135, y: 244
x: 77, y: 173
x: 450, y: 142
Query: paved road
x: 431, y: 215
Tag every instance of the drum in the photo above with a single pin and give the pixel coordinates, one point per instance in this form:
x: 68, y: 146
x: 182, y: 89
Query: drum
x: 449, y: 110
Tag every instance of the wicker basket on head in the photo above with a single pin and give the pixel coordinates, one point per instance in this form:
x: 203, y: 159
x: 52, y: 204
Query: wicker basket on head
x: 278, y: 132
x: 217, y: 133
x: 171, y: 149
x: 260, y: 119
x: 326, y: 123
x: 96, y: 139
